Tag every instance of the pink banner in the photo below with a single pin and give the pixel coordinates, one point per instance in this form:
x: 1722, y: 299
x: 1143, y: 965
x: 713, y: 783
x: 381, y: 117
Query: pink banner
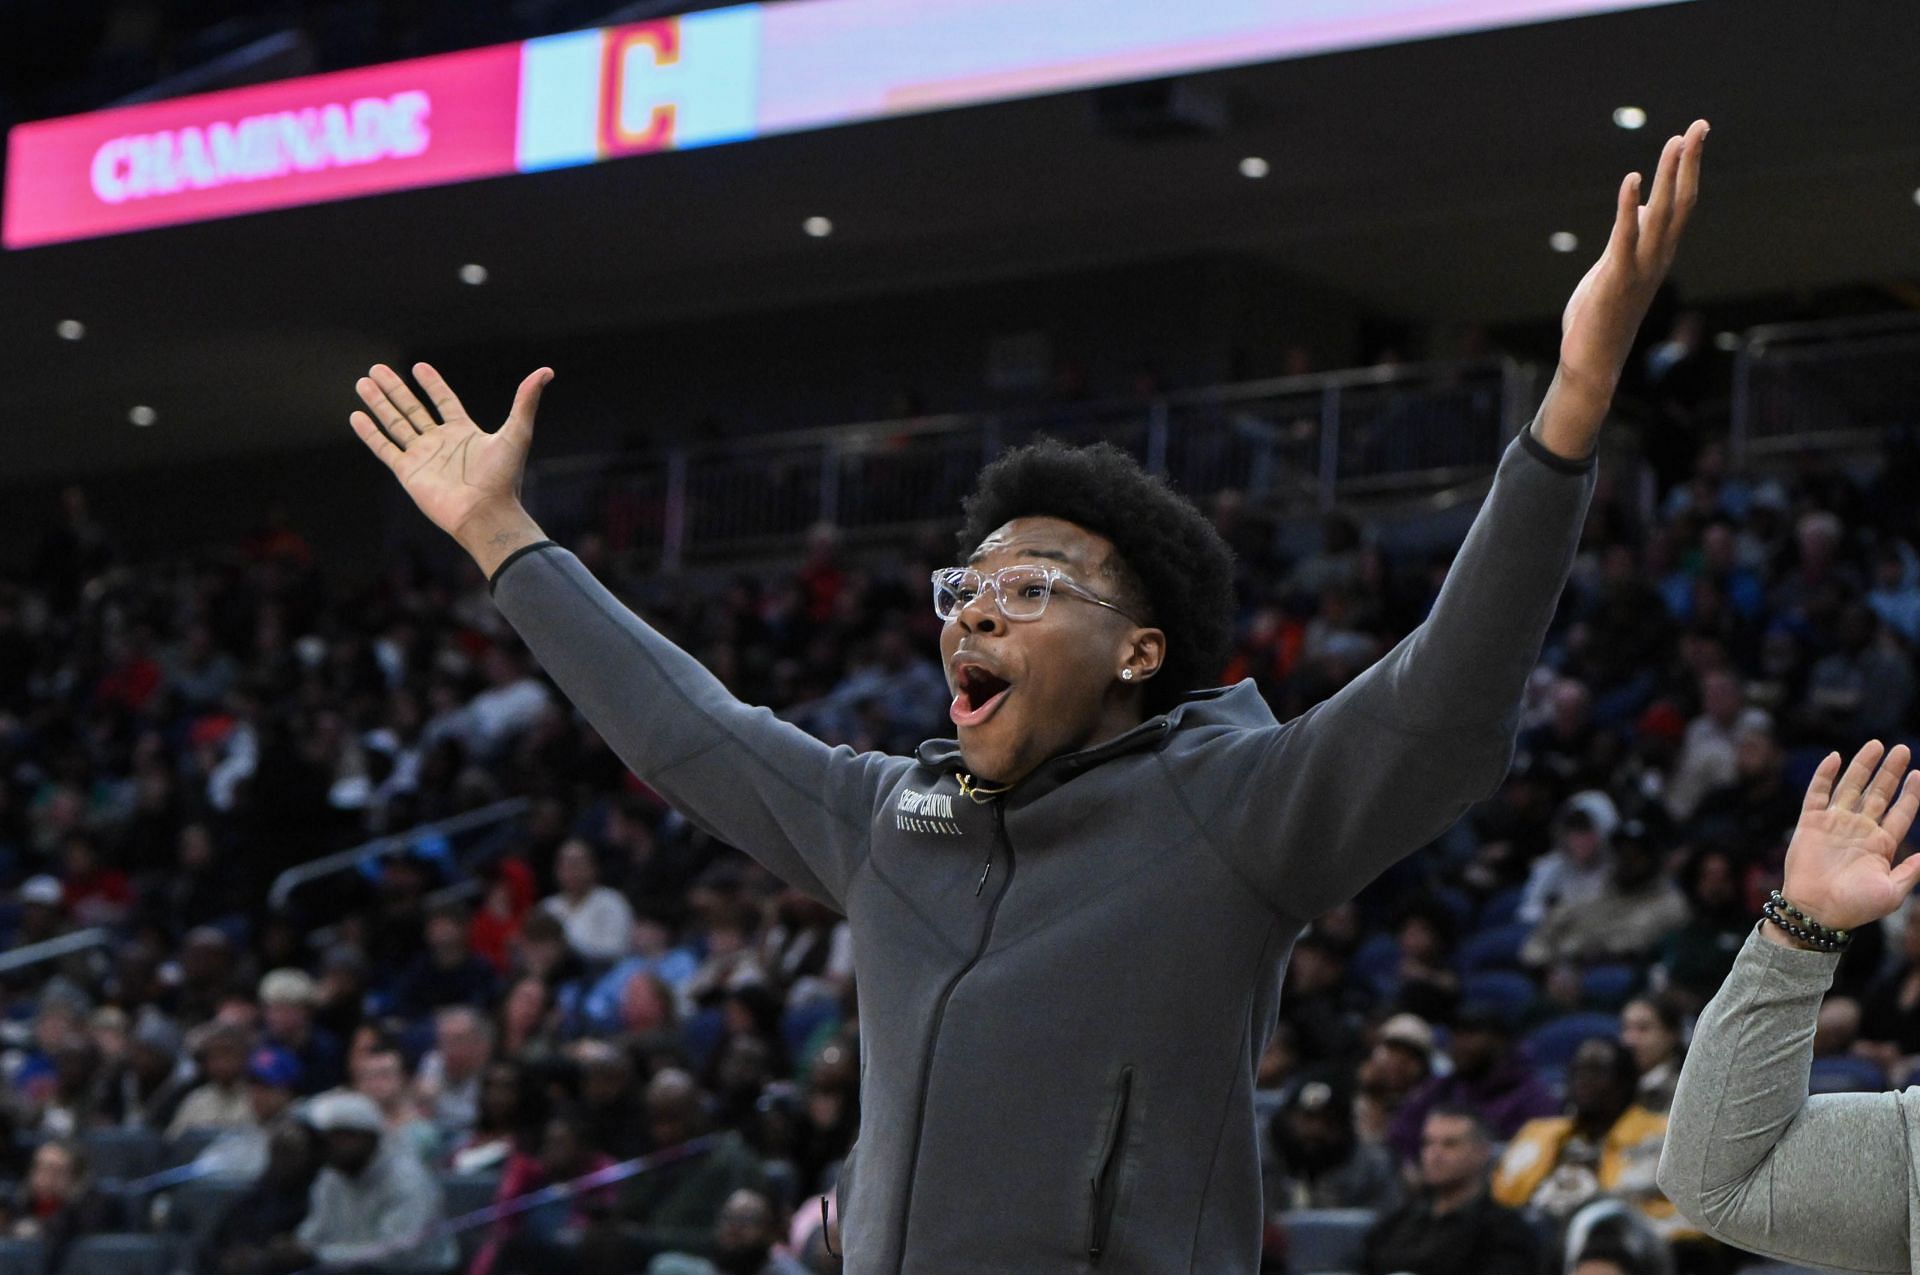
x: 326, y: 137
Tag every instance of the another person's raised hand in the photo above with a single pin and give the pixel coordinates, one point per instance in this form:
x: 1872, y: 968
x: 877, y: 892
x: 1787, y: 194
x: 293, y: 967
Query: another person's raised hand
x: 454, y: 470
x: 1840, y: 865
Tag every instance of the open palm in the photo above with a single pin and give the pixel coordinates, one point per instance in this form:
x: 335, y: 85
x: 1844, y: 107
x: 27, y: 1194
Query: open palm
x: 451, y: 467
x: 1840, y: 865
x: 1601, y: 318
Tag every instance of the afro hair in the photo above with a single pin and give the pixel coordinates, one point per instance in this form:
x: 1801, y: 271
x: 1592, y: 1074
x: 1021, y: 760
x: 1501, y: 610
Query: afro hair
x: 1170, y: 554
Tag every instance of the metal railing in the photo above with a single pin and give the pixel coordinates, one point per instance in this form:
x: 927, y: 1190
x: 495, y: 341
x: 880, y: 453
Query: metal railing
x: 54, y: 949
x: 486, y: 818
x: 1297, y: 443
x: 1836, y: 383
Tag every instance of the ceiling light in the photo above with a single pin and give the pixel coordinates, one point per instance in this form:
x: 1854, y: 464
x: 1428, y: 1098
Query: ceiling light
x: 1255, y: 167
x: 473, y: 275
x: 143, y: 415
x: 818, y: 227
x: 1629, y: 116
x: 70, y: 329
x: 1563, y: 241
x: 1728, y: 341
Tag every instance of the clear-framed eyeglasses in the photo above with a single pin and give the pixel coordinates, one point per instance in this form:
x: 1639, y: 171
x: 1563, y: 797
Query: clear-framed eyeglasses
x: 1021, y: 592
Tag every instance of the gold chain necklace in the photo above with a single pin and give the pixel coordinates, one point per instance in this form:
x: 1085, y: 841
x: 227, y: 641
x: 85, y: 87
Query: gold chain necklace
x: 981, y: 793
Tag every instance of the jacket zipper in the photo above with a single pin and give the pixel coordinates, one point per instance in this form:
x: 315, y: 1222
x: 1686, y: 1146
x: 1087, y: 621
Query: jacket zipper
x: 940, y: 1013
x: 1103, y: 1186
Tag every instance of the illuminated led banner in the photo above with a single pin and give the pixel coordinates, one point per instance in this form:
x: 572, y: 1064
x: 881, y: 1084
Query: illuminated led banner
x: 697, y: 80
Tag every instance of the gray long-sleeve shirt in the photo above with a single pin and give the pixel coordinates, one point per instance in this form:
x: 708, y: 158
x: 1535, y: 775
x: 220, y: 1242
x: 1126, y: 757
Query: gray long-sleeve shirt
x: 1064, y: 991
x: 1823, y: 1180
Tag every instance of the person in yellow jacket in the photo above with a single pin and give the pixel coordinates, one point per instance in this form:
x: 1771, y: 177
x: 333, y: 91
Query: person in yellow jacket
x: 1605, y: 1146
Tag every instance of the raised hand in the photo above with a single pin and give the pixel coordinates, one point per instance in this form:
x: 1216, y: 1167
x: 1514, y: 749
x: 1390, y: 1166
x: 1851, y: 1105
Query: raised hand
x: 1840, y: 864
x: 457, y: 473
x: 1605, y: 311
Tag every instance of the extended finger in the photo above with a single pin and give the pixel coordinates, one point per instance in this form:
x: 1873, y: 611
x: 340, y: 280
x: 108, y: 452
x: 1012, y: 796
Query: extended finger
x: 375, y: 438
x: 1626, y: 217
x: 439, y: 391
x: 1660, y: 203
x: 1900, y: 818
x: 1886, y: 782
x: 1820, y: 787
x: 1846, y: 796
x: 396, y: 425
x: 403, y: 398
x: 1687, y: 190
x: 526, y: 401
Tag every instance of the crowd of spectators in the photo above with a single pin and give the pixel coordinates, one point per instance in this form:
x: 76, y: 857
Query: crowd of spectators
x: 1478, y: 1049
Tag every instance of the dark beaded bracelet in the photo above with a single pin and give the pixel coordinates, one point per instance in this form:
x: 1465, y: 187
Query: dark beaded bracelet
x: 1818, y: 942
x: 1806, y: 922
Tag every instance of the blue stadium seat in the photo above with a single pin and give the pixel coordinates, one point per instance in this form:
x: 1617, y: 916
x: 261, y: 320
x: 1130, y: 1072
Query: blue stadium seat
x: 121, y: 1155
x: 1608, y: 987
x: 23, y: 1257
x: 467, y: 1192
x: 1377, y: 962
x: 1326, y: 1240
x: 1500, y: 909
x: 1495, y: 949
x: 119, y: 1255
x: 1553, y: 1044
x: 701, y: 1035
x: 1508, y: 991
x: 1846, y: 1075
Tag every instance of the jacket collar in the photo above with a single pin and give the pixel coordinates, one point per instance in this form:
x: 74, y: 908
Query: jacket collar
x: 1236, y: 705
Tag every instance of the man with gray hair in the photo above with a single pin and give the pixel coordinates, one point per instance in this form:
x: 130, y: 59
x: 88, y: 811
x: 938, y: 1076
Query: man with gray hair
x: 448, y: 1086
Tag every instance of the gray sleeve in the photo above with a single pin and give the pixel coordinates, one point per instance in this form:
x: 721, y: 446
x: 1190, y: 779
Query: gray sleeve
x: 754, y: 781
x: 1751, y: 1159
x: 1370, y: 774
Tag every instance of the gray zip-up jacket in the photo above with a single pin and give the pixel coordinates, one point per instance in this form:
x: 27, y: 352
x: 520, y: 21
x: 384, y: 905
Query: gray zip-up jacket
x: 1823, y: 1180
x: 1064, y: 991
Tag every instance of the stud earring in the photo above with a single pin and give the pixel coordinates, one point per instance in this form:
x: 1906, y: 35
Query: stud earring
x: 1126, y: 675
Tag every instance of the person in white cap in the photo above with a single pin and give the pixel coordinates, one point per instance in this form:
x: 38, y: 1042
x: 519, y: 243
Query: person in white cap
x: 374, y: 1205
x: 1575, y: 870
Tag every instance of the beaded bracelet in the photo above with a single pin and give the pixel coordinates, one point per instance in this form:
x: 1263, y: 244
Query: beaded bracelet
x: 1794, y: 914
x: 1818, y: 942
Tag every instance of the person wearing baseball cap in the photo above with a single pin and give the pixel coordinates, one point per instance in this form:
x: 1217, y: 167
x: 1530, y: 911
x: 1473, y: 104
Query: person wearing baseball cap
x: 375, y: 1205
x: 287, y: 1001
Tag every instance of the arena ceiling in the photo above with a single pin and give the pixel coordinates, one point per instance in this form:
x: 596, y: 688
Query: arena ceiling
x: 1424, y: 179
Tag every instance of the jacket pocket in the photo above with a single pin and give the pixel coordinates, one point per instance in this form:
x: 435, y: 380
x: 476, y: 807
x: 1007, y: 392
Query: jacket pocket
x: 1103, y: 1188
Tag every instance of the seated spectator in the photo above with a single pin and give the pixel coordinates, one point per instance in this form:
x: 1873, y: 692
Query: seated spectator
x: 731, y: 960
x: 607, y: 1005
x: 597, y: 918
x: 1895, y: 597
x: 1890, y: 1010
x: 1635, y: 909
x: 373, y: 1201
x: 96, y: 893
x: 382, y: 1075
x: 675, y: 1205
x: 58, y: 1202
x: 544, y: 1238
x: 1318, y: 1160
x: 69, y: 1108
x: 1489, y: 1078
x: 808, y: 950
x: 512, y: 1112
x: 287, y: 1000
x: 147, y: 1087
x: 1610, y: 1238
x: 527, y: 1019
x: 1575, y: 869
x: 447, y: 972
x: 497, y: 920
x: 1320, y: 1003
x: 341, y: 1001
x: 1696, y: 956
x: 612, y: 1100
x: 448, y: 1085
x: 1605, y: 1145
x: 744, y: 1241
x: 1706, y: 759
x: 255, y: 1235
x: 222, y: 1100
x: 58, y: 1024
x: 1399, y: 1062
x: 1650, y: 1028
x: 1450, y: 1226
x: 1425, y: 983
x: 273, y: 1076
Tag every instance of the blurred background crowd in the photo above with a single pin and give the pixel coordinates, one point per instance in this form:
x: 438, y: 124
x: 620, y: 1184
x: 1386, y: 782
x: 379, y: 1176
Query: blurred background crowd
x: 1475, y: 1054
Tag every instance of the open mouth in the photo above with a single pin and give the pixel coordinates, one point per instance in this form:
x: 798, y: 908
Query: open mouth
x: 980, y: 693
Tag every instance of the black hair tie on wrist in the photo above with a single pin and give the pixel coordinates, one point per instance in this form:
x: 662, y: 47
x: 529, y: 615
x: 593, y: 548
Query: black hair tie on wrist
x: 1793, y: 921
